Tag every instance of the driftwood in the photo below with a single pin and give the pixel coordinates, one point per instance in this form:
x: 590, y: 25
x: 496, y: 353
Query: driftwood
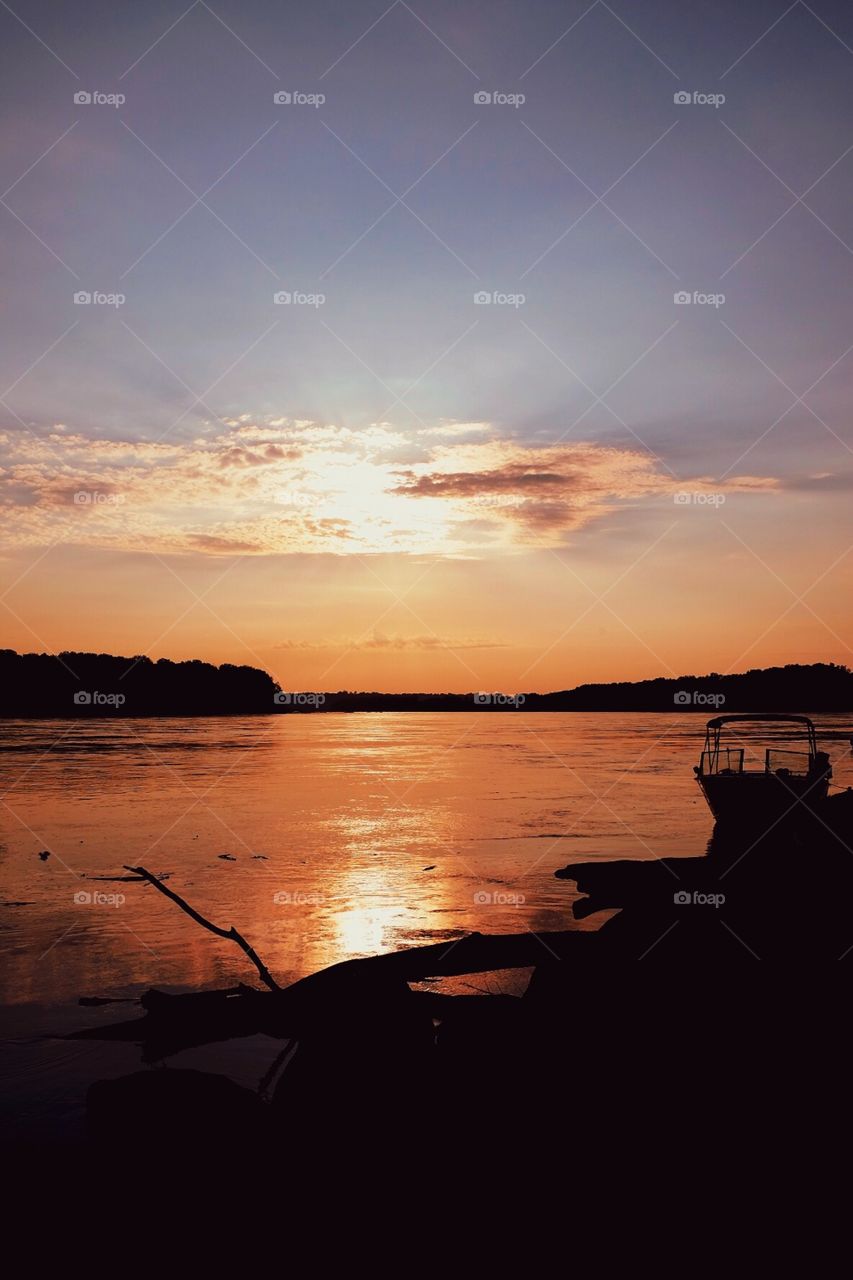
x: 474, y: 953
x: 373, y: 989
x: 360, y: 990
x: 231, y: 933
x: 375, y: 992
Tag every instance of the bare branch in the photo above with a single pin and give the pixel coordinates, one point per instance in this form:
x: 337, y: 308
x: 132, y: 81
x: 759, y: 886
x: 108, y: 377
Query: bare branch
x: 231, y: 933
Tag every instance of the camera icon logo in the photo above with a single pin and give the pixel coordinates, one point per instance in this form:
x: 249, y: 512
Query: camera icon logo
x: 482, y: 699
x: 82, y: 298
x: 282, y: 98
x: 83, y: 899
x: 681, y: 99
x: 281, y: 299
x: 282, y: 699
x: 482, y: 898
x: 682, y: 499
x: 82, y: 698
x: 481, y: 97
x: 682, y: 898
x: 682, y: 698
x: 482, y: 299
x: 82, y: 98
x: 682, y: 298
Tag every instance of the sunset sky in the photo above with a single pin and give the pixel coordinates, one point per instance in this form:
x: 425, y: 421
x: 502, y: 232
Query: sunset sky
x: 379, y: 481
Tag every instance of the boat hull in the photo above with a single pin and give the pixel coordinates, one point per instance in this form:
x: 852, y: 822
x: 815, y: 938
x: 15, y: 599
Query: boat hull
x: 761, y: 799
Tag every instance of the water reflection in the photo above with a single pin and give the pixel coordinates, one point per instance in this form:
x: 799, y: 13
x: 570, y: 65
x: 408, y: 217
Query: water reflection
x: 329, y: 823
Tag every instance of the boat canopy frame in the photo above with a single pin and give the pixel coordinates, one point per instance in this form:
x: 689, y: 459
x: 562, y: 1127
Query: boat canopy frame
x: 719, y: 721
x: 714, y: 728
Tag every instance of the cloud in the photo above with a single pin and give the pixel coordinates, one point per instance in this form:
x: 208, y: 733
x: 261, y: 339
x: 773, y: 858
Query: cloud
x: 457, y: 430
x: 241, y: 457
x: 282, y: 486
x: 210, y: 542
x: 380, y: 641
x: 514, y: 478
x: 826, y: 481
x: 546, y: 492
x: 397, y: 643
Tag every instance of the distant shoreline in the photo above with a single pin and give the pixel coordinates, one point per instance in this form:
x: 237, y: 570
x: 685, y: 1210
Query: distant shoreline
x: 89, y: 686
x: 701, y: 713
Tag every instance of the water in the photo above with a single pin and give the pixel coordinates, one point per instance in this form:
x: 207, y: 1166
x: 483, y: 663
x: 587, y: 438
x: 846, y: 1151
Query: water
x: 332, y: 822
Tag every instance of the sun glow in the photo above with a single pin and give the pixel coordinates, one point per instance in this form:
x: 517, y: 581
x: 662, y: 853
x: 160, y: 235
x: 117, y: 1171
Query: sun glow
x: 268, y: 488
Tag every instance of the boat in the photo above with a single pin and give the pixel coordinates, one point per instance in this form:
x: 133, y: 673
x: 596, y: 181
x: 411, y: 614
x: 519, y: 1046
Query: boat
x: 774, y: 774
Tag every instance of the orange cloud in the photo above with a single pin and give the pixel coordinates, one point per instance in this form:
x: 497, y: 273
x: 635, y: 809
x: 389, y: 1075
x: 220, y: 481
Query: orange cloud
x: 397, y: 643
x: 285, y: 486
x: 551, y: 490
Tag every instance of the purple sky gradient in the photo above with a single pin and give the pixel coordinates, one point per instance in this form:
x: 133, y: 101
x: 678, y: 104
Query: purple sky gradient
x: 497, y: 198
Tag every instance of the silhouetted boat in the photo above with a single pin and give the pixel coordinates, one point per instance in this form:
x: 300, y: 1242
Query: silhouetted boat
x: 762, y: 791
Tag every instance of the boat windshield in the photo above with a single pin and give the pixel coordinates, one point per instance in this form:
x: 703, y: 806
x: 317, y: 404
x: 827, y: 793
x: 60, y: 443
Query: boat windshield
x: 794, y: 761
x: 724, y: 760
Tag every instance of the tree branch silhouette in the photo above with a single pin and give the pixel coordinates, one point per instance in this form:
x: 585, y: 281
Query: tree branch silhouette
x: 231, y: 933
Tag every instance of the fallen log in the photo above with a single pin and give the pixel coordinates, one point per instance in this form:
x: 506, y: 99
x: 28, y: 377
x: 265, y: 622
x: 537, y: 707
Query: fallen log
x: 372, y: 989
x: 472, y: 953
x: 355, y: 991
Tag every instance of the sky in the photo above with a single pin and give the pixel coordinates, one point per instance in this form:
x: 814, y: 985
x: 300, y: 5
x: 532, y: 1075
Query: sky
x: 428, y: 346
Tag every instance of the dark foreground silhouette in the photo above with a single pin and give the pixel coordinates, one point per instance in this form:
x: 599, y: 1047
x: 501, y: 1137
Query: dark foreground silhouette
x: 702, y: 983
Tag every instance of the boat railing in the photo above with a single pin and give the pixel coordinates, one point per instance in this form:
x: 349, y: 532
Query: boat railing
x: 730, y: 760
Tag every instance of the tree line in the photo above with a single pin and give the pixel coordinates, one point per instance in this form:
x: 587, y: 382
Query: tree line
x: 86, y: 684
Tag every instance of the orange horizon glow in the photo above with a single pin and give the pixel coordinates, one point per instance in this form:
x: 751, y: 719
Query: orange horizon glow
x: 446, y: 560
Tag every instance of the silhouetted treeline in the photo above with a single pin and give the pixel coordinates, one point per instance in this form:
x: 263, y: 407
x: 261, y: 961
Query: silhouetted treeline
x: 71, y: 684
x: 86, y: 684
x: 818, y: 687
